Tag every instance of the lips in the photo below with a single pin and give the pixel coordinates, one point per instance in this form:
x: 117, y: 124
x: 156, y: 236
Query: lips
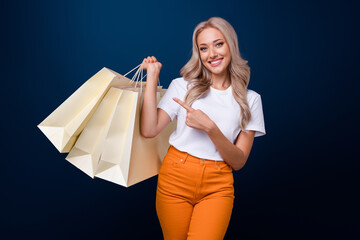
x: 216, y: 62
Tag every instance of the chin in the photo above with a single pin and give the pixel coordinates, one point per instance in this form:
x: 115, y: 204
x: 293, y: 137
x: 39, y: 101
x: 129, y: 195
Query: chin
x: 216, y: 71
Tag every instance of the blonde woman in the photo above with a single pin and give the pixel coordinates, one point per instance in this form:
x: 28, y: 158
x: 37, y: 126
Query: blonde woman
x: 217, y: 120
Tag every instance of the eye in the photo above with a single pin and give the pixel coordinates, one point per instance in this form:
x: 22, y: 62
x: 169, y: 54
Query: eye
x: 203, y: 49
x: 219, y: 44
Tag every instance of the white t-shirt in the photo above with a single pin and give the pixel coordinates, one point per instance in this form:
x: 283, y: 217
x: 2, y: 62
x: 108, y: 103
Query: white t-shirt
x: 221, y: 107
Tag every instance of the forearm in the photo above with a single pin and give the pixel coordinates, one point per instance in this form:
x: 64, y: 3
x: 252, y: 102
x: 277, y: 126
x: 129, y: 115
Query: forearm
x: 231, y: 154
x: 149, y: 107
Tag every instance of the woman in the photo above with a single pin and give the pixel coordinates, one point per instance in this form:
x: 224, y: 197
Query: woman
x: 217, y: 120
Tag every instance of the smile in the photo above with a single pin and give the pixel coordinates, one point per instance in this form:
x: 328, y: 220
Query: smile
x: 216, y: 62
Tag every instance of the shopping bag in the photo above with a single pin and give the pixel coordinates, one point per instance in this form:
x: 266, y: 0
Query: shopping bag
x: 63, y: 126
x: 129, y: 158
x: 87, y: 150
x: 101, y: 129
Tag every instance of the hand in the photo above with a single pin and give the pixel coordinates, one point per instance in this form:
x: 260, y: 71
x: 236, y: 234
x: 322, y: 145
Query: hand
x: 151, y: 65
x: 196, y: 118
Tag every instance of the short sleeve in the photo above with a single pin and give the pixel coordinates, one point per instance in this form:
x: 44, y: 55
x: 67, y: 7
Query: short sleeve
x: 256, y: 122
x: 167, y: 103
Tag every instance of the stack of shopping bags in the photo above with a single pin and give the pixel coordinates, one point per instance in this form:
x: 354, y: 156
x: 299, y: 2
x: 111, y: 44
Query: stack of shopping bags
x: 99, y: 126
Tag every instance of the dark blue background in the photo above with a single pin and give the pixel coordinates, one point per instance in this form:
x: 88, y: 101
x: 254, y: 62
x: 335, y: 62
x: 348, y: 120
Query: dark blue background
x: 300, y: 181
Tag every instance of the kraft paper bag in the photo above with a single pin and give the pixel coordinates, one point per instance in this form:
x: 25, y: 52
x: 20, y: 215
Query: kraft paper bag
x: 128, y: 157
x: 87, y: 150
x: 63, y: 126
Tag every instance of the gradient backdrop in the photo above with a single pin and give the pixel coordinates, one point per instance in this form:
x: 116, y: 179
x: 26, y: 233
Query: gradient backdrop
x: 300, y: 181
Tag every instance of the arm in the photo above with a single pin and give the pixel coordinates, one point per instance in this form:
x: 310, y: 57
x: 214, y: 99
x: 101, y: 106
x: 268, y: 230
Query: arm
x: 152, y: 120
x: 234, y: 155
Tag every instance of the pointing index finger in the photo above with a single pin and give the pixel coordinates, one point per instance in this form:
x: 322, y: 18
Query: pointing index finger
x: 184, y: 105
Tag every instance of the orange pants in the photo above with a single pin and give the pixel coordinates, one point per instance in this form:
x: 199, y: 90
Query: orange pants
x: 194, y: 197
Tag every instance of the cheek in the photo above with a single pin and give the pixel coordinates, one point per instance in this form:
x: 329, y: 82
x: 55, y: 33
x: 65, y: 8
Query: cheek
x: 203, y: 57
x: 225, y: 52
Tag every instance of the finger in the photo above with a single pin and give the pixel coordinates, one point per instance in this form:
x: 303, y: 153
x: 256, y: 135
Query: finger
x: 149, y: 59
x: 144, y: 64
x: 184, y: 105
x: 154, y: 59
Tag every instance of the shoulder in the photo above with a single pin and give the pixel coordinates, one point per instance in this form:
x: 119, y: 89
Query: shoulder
x: 179, y: 83
x: 252, y: 96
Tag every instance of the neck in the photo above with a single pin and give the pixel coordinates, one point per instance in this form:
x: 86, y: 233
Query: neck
x: 220, y: 82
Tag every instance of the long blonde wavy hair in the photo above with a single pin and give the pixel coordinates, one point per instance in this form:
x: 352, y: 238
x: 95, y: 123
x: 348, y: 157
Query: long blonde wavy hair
x: 199, y: 76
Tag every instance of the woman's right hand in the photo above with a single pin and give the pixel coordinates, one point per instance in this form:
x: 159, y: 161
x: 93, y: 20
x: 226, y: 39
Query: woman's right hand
x: 151, y: 65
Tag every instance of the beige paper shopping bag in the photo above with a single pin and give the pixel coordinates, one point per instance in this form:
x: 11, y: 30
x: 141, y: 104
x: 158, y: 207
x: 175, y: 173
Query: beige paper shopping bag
x: 100, y: 125
x: 128, y: 157
x: 153, y: 150
x: 87, y: 150
x: 64, y: 124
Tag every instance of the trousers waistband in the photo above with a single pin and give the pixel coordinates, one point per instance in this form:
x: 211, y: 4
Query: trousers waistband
x: 185, y: 157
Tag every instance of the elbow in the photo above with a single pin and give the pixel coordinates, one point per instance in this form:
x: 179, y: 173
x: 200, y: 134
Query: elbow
x: 146, y: 131
x: 239, y: 166
x: 148, y: 134
x: 240, y: 163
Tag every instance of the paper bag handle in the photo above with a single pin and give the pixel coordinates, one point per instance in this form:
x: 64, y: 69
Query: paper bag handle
x: 138, y: 76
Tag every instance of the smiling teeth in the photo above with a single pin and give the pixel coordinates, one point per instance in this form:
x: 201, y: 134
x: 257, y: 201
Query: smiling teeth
x: 215, y: 62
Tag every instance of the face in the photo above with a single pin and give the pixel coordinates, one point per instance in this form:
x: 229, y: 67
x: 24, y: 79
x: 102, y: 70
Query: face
x: 214, y: 51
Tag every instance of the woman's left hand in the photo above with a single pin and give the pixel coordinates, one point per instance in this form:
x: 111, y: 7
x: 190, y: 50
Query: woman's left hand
x: 196, y: 118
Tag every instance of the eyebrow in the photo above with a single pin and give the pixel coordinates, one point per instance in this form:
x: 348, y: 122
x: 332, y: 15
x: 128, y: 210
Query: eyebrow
x: 213, y: 41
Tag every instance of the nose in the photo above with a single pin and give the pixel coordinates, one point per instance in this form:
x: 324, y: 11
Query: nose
x: 213, y: 53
